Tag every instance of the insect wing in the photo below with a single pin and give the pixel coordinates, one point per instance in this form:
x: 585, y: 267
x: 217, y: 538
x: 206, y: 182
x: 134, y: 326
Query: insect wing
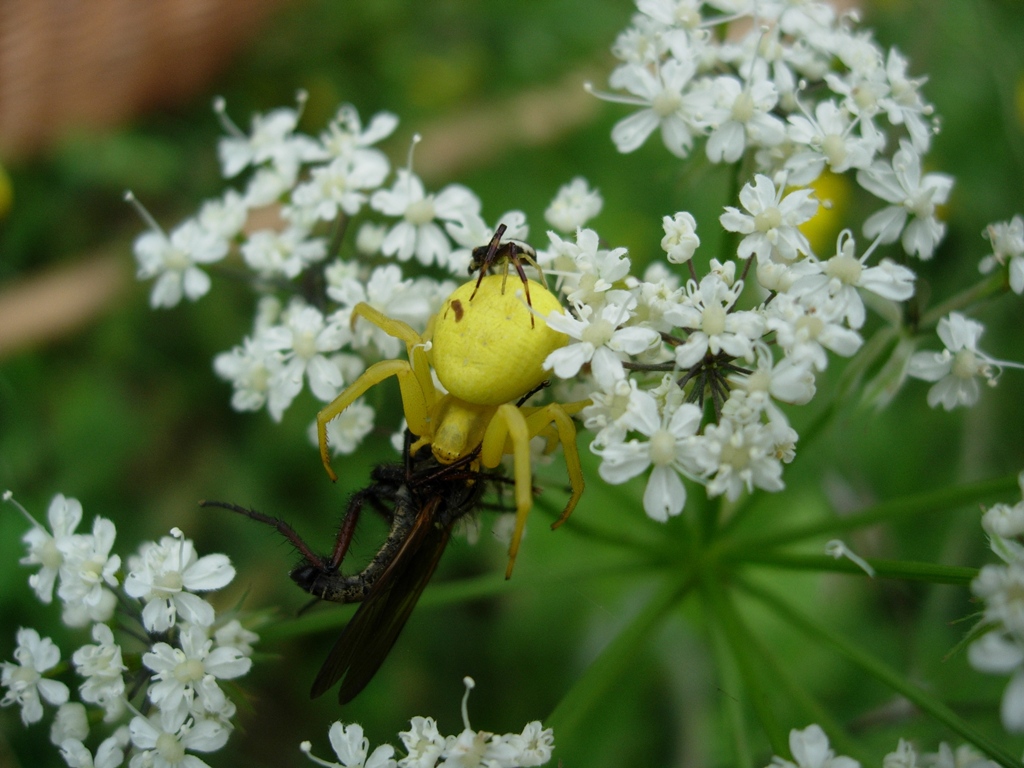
x: 371, y: 633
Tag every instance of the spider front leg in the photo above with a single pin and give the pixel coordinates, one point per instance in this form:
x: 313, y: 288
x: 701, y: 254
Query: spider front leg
x: 414, y: 402
x: 418, y: 393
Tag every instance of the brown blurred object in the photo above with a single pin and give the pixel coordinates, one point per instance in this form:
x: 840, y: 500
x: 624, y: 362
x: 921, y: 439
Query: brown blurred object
x: 56, y: 302
x: 94, y: 63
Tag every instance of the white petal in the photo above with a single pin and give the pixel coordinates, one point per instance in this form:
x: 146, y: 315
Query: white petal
x: 632, y: 131
x: 1012, y: 708
x: 209, y: 572
x: 665, y: 494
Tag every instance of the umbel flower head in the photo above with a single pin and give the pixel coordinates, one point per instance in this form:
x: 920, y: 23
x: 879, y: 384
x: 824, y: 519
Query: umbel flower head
x: 165, y: 576
x: 426, y: 747
x: 187, y: 649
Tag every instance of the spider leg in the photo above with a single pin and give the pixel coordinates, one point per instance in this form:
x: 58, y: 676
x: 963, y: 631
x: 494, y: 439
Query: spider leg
x: 414, y: 401
x: 508, y: 424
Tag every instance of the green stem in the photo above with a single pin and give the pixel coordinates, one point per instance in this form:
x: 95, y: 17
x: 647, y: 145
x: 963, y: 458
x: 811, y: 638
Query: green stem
x: 618, y: 538
x: 990, y: 286
x: 458, y: 591
x: 889, y: 677
x: 615, y: 661
x: 816, y: 712
x: 720, y: 606
x: 884, y: 569
x: 729, y: 680
x: 906, y: 507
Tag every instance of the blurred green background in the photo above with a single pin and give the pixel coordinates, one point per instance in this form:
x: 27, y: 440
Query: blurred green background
x: 124, y: 412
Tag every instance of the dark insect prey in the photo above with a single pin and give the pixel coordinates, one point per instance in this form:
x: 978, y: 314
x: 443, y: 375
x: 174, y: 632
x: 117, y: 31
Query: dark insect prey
x: 421, y: 500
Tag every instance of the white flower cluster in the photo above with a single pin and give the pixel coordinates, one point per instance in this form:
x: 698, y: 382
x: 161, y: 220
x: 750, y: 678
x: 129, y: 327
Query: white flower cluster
x: 168, y: 662
x: 810, y: 749
x: 274, y: 227
x: 425, y: 747
x: 956, y: 370
x: 788, y: 90
x: 1000, y: 650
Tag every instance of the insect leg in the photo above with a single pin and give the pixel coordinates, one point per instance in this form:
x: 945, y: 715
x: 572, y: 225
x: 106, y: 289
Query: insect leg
x: 279, y: 525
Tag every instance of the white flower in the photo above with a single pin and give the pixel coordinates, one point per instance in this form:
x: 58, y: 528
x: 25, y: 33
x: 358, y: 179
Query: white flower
x: 965, y: 756
x: 804, y: 333
x: 911, y: 194
x: 597, y: 269
x: 88, y: 569
x: 423, y: 743
x: 811, y: 750
x: 957, y: 367
x: 739, y: 457
x: 224, y: 216
x: 351, y: 749
x: 534, y: 745
x: 185, y: 677
x: 47, y: 549
x: 998, y: 653
x: 103, y: 669
x: 1007, y: 238
x: 272, y: 140
x: 771, y: 222
x: 611, y: 411
x: 1002, y: 589
x: 742, y: 114
x: 417, y: 234
x: 574, y: 205
x: 666, y: 104
x: 833, y: 284
x: 24, y: 681
x: 903, y: 103
x: 161, y: 740
x: 304, y: 339
x: 345, y: 134
x: 286, y: 253
x: 173, y: 261
x: 70, y: 722
x: 161, y: 574
x: 786, y: 380
x: 905, y: 756
x: 680, y: 240
x: 671, y: 449
x: 714, y: 326
x: 109, y: 754
x: 234, y: 635
x: 599, y: 340
x: 267, y: 186
x: 250, y: 368
x: 828, y: 137
x: 339, y: 184
x: 477, y: 749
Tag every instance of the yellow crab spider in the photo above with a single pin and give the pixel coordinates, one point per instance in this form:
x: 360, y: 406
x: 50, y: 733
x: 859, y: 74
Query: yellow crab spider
x: 487, y: 348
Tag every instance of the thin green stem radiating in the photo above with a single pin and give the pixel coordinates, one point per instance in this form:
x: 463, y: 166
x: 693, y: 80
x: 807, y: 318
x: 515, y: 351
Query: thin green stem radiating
x: 617, y: 658
x: 793, y: 690
x: 729, y: 681
x: 721, y: 610
x: 459, y: 591
x: 884, y: 569
x: 889, y: 677
x: 904, y: 508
